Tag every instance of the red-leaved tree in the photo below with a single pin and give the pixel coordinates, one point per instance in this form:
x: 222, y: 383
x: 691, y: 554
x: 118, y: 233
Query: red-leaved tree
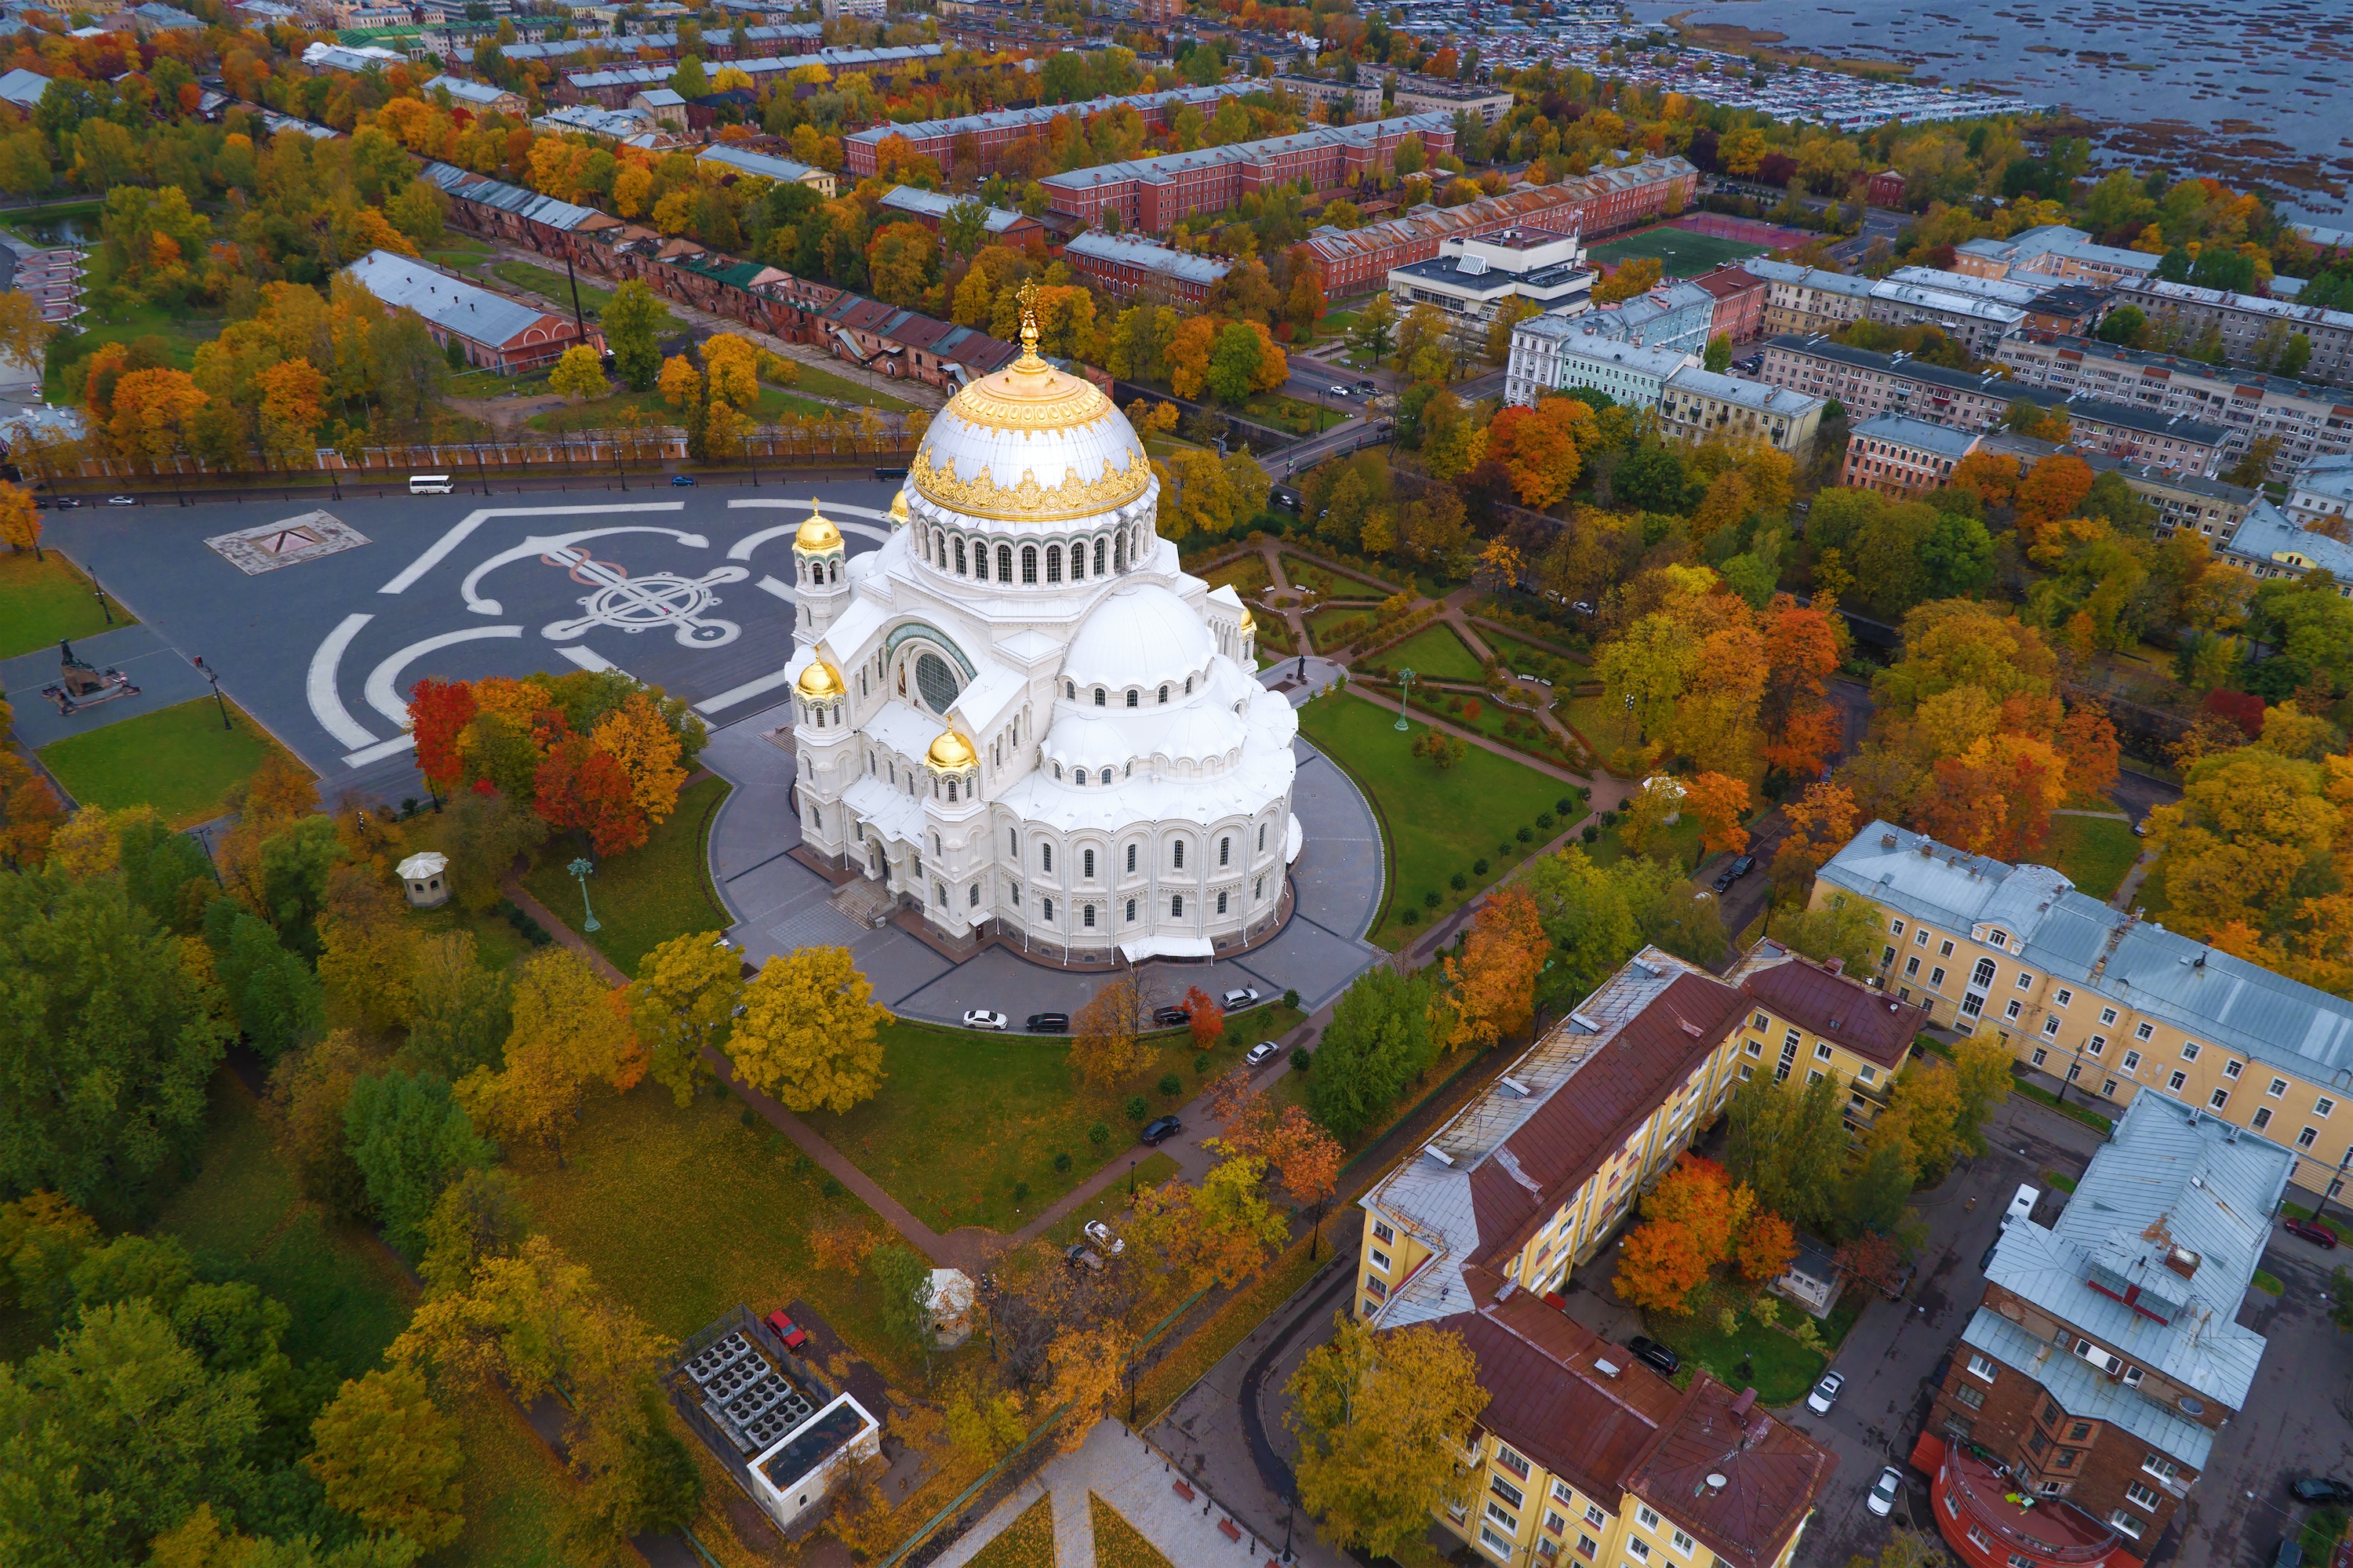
x: 1207, y: 1018
x: 437, y: 710
x: 585, y: 790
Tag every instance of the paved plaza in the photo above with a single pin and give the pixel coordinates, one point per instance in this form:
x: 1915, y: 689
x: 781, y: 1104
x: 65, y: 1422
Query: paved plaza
x: 319, y: 637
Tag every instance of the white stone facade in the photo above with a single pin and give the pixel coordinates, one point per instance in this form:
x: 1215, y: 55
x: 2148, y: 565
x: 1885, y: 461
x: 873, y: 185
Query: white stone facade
x: 1020, y: 713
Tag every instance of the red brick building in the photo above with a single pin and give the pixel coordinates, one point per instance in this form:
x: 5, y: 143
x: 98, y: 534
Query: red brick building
x: 1600, y: 203
x: 1124, y: 266
x: 1150, y: 196
x: 2106, y: 1353
x: 993, y: 132
x: 1739, y: 303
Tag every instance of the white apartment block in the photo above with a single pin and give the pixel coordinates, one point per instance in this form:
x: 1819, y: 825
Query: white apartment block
x: 2308, y: 421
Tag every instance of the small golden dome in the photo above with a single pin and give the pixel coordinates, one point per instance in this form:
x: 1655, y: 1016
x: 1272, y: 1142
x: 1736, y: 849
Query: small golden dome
x: 950, y: 751
x: 818, y: 534
x: 898, y: 509
x: 819, y: 680
x: 1250, y: 622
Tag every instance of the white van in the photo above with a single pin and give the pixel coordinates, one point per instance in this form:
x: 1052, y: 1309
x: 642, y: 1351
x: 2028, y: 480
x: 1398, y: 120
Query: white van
x: 2020, y: 1206
x: 430, y: 484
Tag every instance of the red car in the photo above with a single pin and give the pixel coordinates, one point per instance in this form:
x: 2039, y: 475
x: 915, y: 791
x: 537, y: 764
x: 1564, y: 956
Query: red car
x: 794, y: 1336
x: 2311, y: 1230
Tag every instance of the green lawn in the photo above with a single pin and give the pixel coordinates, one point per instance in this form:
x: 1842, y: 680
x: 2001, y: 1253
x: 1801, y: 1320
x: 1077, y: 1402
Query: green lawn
x: 2093, y: 853
x: 43, y: 601
x: 841, y: 389
x: 963, y: 1116
x: 1437, y: 822
x: 1777, y: 1366
x: 181, y: 328
x: 1435, y: 652
x: 605, y: 413
x: 1324, y: 624
x: 176, y: 759
x: 660, y: 890
x: 554, y: 285
x: 680, y: 1214
x: 1683, y: 253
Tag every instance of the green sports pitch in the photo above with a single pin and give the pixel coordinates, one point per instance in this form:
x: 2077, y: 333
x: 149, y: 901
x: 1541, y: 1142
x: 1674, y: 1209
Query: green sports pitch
x: 1680, y: 253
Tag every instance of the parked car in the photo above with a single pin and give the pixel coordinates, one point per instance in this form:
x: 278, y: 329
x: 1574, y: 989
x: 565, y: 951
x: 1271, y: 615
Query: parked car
x: 121, y: 500
x: 2322, y: 1489
x: 40, y: 503
x: 2312, y: 1231
x: 1171, y: 1017
x: 68, y: 502
x: 1078, y: 1257
x: 2290, y: 1553
x: 681, y: 481
x: 1162, y: 1128
x: 794, y: 1336
x: 2021, y: 1204
x: 1649, y: 1349
x: 1882, y: 1500
x: 1260, y: 1052
x: 1100, y: 1233
x: 981, y: 1018
x: 1741, y: 866
x: 2140, y: 829
x: 1826, y: 1393
x: 1049, y: 1023
x: 1242, y: 996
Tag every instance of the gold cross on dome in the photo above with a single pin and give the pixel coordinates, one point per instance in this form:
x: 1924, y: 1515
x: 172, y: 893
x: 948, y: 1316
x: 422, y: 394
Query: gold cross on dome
x: 1027, y: 295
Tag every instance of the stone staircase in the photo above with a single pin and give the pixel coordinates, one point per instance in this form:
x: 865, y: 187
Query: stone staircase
x: 865, y: 900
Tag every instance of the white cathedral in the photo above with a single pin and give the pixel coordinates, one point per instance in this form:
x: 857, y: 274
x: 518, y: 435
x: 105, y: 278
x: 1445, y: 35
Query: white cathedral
x: 1019, y: 709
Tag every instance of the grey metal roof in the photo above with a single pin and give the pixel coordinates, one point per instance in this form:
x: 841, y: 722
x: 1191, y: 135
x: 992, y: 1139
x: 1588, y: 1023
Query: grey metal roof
x: 2172, y: 1186
x: 447, y: 302
x: 2204, y: 992
x: 781, y: 170
x: 936, y: 204
x: 24, y: 87
x: 1906, y: 430
x: 1152, y: 258
x: 2081, y: 1391
x: 1807, y: 277
x: 516, y: 199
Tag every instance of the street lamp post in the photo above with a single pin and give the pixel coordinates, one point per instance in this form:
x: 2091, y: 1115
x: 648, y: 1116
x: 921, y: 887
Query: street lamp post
x: 101, y: 592
x: 584, y: 869
x: 213, y: 676
x: 1405, y: 697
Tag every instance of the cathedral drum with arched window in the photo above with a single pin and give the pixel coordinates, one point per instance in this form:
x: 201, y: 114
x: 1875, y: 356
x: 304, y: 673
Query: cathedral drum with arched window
x: 1042, y: 725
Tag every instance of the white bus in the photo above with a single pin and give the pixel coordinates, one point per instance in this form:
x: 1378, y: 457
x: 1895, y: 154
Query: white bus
x: 430, y: 484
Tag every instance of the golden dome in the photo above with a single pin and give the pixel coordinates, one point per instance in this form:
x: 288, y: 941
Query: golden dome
x: 950, y: 751
x: 818, y: 534
x: 898, y: 509
x: 819, y: 680
x: 1250, y: 622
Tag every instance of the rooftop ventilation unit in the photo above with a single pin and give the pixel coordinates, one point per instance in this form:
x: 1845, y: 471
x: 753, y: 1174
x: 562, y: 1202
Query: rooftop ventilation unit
x: 1584, y: 1022
x: 1607, y: 1369
x: 1439, y: 1155
x: 1512, y: 1087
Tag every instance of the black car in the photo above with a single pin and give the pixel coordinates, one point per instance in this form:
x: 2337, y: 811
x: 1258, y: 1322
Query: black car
x: 1049, y: 1023
x: 2322, y: 1489
x: 1731, y: 873
x: 1162, y: 1129
x: 1171, y: 1017
x: 1659, y: 1357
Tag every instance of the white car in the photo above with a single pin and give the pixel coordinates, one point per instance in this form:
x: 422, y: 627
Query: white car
x: 1260, y: 1052
x: 1826, y: 1393
x: 1882, y: 1500
x: 981, y: 1018
x: 1241, y: 996
x: 1100, y: 1235
x: 121, y: 500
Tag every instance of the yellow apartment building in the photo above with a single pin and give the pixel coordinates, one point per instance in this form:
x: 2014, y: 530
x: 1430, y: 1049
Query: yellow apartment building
x: 1812, y: 1021
x: 1585, y: 1455
x: 2103, y: 1002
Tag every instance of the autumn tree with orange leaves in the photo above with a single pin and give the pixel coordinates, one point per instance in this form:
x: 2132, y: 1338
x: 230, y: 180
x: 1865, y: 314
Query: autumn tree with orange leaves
x: 1204, y: 1018
x: 1717, y: 801
x: 1695, y: 1221
x: 1301, y: 1157
x: 1801, y: 728
x: 1493, y: 978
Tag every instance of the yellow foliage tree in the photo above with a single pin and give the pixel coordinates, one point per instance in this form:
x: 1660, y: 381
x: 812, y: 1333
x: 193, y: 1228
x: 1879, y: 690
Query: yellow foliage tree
x: 810, y: 1032
x: 571, y: 1030
x: 680, y: 384
x: 389, y: 1457
x: 635, y: 736
x: 733, y: 366
x: 682, y: 1002
x: 578, y: 376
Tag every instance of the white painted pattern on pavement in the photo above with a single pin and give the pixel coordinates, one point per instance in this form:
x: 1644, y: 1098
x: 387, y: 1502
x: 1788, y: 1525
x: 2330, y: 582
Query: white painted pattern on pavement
x: 379, y: 751
x: 733, y: 695
x: 543, y: 544
x: 588, y: 659
x: 456, y: 536
x: 326, y: 699
x: 383, y: 682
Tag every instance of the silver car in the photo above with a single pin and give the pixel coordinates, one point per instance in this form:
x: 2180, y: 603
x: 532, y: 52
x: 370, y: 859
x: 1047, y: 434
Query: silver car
x: 1826, y: 1393
x: 1261, y: 1052
x: 1882, y: 1500
x: 981, y: 1018
x: 1100, y: 1235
